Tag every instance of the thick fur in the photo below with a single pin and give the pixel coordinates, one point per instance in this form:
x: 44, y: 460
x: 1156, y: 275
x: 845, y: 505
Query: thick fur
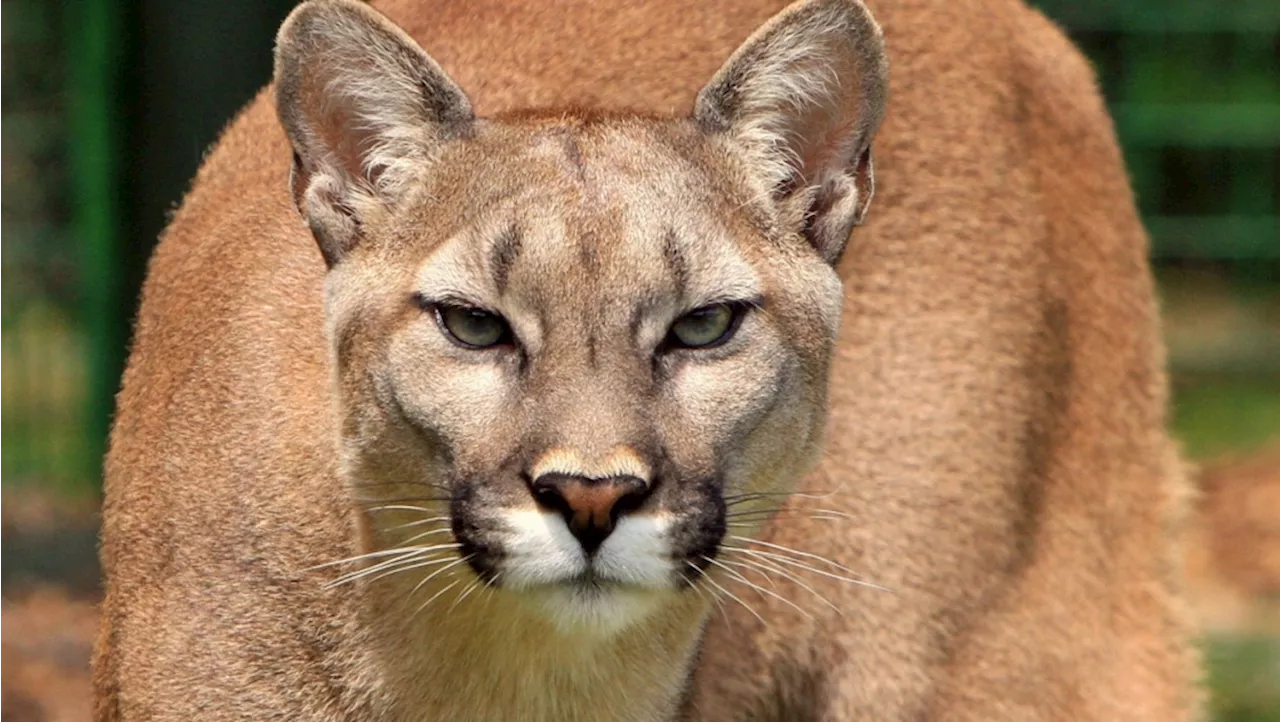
x: 995, y: 454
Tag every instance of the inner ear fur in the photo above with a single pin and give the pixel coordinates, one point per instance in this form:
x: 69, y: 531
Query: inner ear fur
x: 364, y: 108
x: 801, y: 100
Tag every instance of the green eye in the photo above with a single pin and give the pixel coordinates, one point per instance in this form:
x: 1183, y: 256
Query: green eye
x: 705, y: 327
x: 472, y: 327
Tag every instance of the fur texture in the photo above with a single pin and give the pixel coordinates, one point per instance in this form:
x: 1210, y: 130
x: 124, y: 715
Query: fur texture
x: 995, y: 465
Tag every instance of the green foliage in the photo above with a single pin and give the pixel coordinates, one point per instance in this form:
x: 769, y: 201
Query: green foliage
x: 1226, y: 415
x: 1244, y: 678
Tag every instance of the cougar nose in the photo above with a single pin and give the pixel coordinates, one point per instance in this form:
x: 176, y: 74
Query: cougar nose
x: 590, y: 506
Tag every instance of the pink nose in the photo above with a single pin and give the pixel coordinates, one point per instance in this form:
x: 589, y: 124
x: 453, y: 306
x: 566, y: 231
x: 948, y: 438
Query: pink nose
x: 590, y: 507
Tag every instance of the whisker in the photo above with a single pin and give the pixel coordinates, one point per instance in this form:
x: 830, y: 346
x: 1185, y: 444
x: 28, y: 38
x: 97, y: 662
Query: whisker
x: 699, y: 584
x: 720, y: 605
x: 401, y: 507
x: 408, y: 565
x: 755, y: 523
x: 734, y: 597
x: 790, y: 512
x: 765, y: 566
x: 780, y: 559
x: 433, y: 575
x: 731, y: 499
x: 795, y: 552
x: 375, y: 554
x: 761, y: 590
x: 475, y: 584
x: 377, y: 484
x: 402, y: 563
x: 419, y: 522
x: 833, y: 513
x: 492, y: 585
x: 364, y: 500
x: 697, y: 589
x: 435, y: 597
x: 424, y: 534
x: 406, y: 556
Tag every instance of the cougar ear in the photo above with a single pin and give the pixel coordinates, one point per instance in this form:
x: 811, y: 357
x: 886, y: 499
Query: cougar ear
x: 364, y: 108
x: 801, y: 99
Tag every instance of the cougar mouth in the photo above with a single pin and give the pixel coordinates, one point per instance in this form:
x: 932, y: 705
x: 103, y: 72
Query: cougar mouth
x: 528, y: 549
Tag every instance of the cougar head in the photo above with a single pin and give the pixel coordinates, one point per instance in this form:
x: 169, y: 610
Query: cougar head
x: 575, y: 353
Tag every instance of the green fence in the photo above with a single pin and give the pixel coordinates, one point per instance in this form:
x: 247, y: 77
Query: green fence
x: 44, y: 347
x: 108, y: 104
x: 1194, y: 87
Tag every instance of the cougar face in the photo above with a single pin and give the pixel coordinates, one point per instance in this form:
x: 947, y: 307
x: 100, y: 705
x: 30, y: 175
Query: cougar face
x: 589, y: 344
x: 575, y: 354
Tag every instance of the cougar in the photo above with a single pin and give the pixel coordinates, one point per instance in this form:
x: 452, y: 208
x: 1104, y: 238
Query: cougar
x: 556, y: 376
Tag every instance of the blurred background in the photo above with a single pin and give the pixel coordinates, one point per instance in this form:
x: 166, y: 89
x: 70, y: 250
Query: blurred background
x: 109, y: 105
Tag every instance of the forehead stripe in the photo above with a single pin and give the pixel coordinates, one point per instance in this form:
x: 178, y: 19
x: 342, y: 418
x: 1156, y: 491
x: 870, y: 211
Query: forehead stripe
x: 677, y: 264
x: 502, y: 256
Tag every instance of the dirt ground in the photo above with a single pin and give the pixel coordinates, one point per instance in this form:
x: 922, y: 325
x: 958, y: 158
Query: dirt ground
x: 1233, y: 551
x: 50, y: 591
x: 47, y: 606
x: 47, y: 638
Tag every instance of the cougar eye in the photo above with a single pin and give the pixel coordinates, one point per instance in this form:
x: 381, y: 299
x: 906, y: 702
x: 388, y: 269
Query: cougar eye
x: 706, y: 327
x: 472, y: 327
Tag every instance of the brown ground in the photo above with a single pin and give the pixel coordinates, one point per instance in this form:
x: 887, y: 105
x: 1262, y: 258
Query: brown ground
x: 47, y: 637
x: 47, y: 611
x: 1233, y: 555
x: 49, y: 590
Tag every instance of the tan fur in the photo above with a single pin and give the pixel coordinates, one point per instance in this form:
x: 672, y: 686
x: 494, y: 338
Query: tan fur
x: 620, y: 461
x: 995, y: 459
